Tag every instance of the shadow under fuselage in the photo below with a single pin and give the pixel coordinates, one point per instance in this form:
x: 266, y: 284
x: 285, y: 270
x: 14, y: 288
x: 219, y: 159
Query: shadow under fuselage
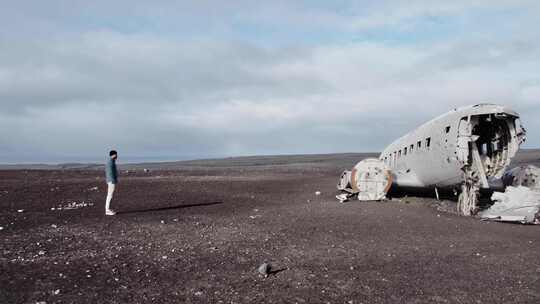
x: 445, y: 193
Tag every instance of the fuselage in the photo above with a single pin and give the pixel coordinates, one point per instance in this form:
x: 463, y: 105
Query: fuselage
x: 484, y: 137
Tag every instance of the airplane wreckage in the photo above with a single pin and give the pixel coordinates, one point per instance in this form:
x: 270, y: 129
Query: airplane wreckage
x: 465, y: 150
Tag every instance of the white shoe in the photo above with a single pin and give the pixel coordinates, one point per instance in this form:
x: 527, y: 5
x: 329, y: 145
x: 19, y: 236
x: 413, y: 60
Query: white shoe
x: 110, y: 212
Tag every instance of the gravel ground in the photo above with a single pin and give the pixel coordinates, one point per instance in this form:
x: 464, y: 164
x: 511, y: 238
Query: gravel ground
x: 198, y: 233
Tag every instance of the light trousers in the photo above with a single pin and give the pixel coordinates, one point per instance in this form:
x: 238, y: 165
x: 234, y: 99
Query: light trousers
x: 110, y: 192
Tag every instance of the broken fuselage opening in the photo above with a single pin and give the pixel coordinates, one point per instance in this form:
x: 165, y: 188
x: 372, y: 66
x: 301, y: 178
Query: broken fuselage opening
x: 492, y: 136
x: 487, y: 143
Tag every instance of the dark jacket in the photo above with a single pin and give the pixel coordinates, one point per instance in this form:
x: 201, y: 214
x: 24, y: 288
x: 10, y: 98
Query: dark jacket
x: 110, y: 171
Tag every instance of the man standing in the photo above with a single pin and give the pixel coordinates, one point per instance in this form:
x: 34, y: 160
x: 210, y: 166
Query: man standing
x: 112, y: 179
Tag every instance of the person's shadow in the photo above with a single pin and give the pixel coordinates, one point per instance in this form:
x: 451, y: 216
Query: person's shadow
x: 169, y: 207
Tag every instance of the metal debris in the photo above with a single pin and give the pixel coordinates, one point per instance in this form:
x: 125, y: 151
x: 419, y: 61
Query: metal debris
x: 516, y: 204
x: 369, y: 180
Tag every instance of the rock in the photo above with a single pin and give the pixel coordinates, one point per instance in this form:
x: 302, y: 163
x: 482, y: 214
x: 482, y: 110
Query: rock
x: 265, y: 269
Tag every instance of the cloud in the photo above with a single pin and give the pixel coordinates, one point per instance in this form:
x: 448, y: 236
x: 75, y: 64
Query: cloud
x: 151, y: 93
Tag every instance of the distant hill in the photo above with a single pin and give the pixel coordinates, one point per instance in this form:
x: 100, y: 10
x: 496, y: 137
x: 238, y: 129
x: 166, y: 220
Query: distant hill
x: 242, y: 161
x: 345, y: 160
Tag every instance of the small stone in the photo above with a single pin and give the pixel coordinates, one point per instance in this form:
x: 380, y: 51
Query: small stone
x: 54, y: 226
x: 264, y: 269
x: 56, y: 292
x: 20, y: 210
x: 1, y: 228
x: 162, y: 221
x: 317, y: 192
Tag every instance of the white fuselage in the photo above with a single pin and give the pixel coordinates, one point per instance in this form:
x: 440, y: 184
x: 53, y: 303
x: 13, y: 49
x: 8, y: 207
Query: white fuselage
x: 483, y: 137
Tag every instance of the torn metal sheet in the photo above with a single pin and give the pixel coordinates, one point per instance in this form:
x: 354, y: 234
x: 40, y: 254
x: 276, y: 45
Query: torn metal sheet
x: 516, y: 204
x: 369, y: 180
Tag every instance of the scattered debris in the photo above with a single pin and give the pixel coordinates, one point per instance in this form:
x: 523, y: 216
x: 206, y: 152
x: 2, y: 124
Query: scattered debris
x: 516, y: 204
x: 94, y: 188
x: 70, y: 205
x: 369, y: 180
x: 264, y: 269
x: 343, y: 197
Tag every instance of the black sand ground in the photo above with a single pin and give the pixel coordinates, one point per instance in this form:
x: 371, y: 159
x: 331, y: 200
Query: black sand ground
x: 197, y: 234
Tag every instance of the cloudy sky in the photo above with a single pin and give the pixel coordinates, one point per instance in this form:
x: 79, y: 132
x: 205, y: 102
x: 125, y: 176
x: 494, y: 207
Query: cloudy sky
x: 195, y: 79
